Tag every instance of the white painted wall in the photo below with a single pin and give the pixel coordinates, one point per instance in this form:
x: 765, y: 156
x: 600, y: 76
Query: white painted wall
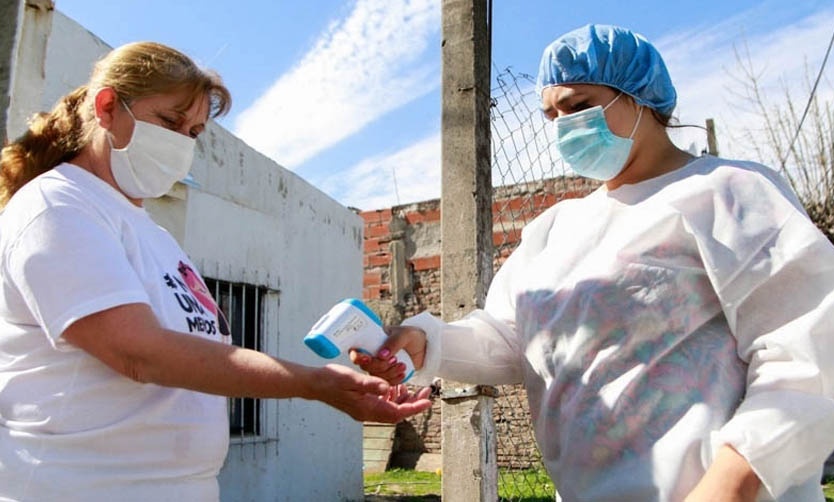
x: 33, y: 27
x: 252, y: 221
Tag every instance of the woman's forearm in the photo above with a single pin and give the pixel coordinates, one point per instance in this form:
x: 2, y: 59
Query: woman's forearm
x: 214, y: 368
x: 130, y: 340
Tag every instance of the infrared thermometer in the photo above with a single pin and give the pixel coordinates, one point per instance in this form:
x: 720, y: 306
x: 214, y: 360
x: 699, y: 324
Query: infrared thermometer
x: 351, y: 324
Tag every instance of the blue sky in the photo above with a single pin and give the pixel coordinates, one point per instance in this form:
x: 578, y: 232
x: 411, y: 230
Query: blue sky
x: 347, y: 93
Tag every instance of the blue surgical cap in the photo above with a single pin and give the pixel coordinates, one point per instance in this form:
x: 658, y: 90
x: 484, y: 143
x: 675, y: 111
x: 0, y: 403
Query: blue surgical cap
x: 613, y: 56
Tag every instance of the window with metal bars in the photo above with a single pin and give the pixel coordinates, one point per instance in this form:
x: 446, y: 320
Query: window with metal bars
x: 242, y: 305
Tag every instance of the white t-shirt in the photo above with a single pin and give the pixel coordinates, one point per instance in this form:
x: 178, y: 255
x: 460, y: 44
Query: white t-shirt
x: 653, y: 324
x: 70, y: 427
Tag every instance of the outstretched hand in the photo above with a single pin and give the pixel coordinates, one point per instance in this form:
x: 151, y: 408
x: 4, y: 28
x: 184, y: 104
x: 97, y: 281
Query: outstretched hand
x: 367, y: 398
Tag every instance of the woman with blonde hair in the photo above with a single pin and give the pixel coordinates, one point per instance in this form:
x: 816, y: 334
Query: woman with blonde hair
x: 104, y: 393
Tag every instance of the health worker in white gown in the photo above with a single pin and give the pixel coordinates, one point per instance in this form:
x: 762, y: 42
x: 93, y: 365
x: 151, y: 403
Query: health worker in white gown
x: 675, y: 328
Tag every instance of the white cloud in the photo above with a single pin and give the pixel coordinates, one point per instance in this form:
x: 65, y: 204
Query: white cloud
x: 409, y: 175
x: 521, y: 152
x: 366, y: 65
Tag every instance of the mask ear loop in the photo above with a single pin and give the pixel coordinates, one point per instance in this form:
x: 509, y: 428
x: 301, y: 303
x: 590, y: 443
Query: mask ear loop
x: 110, y: 134
x: 639, y: 115
x: 612, y: 101
x: 127, y: 108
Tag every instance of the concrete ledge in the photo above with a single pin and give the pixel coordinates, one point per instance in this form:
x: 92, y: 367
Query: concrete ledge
x: 377, y: 441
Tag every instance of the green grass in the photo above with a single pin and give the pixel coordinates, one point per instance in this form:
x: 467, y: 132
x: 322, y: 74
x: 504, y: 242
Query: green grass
x: 828, y: 490
x: 402, y: 482
x: 517, y: 486
x: 532, y: 485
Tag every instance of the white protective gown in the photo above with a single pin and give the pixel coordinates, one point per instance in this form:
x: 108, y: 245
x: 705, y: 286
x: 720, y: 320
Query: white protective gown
x: 656, y: 322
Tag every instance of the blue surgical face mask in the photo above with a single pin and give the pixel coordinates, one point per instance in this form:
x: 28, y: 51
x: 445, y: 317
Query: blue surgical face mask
x: 589, y: 147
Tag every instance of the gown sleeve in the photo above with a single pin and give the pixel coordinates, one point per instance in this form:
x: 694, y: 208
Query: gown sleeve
x: 484, y: 346
x: 773, y: 271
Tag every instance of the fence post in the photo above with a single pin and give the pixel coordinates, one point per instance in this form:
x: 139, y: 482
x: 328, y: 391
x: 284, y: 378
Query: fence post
x: 712, y: 142
x: 467, y: 433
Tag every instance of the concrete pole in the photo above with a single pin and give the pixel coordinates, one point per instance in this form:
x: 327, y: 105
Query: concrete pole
x: 467, y: 434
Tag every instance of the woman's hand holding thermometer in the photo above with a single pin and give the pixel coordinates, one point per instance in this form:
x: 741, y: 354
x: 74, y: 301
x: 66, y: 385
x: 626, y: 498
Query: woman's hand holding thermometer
x: 351, y: 324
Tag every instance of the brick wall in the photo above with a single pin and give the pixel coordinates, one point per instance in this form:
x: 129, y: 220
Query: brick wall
x: 402, y: 278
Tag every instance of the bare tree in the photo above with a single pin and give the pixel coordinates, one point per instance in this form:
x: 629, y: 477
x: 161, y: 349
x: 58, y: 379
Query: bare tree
x: 798, y: 140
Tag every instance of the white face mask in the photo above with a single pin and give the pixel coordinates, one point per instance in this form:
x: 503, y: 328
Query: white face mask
x: 153, y: 160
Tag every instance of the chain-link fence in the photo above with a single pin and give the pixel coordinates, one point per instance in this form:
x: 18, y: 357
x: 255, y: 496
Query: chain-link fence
x: 529, y: 177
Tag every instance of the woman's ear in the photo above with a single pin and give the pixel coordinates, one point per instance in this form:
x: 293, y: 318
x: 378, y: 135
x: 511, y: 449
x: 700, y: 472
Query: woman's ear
x: 105, y: 103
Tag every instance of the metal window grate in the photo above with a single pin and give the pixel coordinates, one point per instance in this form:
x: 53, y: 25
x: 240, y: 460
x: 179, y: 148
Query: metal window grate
x: 242, y: 305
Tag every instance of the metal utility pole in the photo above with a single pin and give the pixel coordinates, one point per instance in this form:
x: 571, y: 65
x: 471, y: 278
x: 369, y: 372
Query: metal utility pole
x: 468, y: 435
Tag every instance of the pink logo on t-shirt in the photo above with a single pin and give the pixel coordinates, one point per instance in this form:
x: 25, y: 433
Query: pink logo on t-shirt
x: 202, y: 294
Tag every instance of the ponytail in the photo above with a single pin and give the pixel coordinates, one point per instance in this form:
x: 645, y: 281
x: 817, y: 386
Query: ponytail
x: 133, y: 71
x: 52, y: 138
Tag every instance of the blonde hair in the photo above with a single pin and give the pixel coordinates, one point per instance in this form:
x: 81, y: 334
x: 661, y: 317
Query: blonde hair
x: 134, y: 71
